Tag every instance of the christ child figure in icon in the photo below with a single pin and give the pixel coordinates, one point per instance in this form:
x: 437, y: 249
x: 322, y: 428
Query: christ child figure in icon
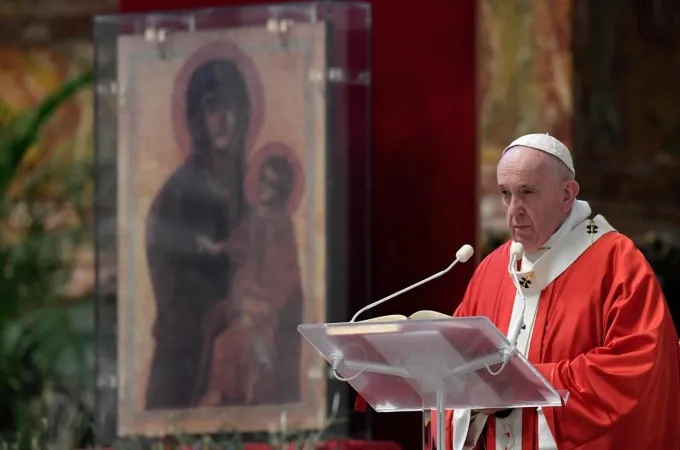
x: 267, y: 277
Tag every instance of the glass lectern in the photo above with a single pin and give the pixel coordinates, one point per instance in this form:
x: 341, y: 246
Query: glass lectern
x: 431, y: 365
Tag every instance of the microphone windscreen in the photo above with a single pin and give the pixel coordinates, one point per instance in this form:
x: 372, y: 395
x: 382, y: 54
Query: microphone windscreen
x: 465, y: 253
x: 517, y: 250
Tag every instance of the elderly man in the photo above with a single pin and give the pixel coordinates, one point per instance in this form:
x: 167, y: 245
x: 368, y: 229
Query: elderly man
x: 596, y: 322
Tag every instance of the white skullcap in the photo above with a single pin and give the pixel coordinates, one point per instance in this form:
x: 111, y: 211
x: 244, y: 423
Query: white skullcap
x: 545, y: 143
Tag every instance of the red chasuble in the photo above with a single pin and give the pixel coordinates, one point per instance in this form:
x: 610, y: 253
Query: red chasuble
x: 602, y: 331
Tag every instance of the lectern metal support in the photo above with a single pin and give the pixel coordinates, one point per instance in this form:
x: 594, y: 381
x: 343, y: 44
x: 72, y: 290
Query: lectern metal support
x: 441, y: 420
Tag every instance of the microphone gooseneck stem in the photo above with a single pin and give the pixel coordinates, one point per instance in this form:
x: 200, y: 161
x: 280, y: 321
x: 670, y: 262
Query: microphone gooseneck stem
x: 389, y: 297
x: 462, y: 255
x: 516, y: 328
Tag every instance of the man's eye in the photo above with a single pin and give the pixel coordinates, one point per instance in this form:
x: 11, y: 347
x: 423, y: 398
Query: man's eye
x: 526, y: 192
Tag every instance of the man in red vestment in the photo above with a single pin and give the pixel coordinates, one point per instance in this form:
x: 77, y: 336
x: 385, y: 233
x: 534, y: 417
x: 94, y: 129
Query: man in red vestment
x: 596, y: 323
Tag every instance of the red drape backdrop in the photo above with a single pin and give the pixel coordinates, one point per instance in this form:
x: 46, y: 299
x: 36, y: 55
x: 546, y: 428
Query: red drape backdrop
x: 424, y: 155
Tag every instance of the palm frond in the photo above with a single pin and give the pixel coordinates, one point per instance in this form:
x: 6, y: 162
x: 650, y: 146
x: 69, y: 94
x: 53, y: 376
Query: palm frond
x: 19, y: 132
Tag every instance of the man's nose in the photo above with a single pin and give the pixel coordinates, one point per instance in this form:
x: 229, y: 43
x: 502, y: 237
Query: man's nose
x: 515, y: 207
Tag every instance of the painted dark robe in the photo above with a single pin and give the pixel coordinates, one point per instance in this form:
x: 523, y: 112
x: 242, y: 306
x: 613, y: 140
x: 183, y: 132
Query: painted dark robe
x: 202, y: 198
x: 187, y: 283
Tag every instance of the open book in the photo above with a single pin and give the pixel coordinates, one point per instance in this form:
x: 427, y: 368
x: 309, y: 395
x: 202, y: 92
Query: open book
x: 424, y: 315
x: 353, y: 329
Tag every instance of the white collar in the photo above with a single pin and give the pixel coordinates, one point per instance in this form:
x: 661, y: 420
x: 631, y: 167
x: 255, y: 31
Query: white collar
x: 534, y: 277
x: 579, y: 212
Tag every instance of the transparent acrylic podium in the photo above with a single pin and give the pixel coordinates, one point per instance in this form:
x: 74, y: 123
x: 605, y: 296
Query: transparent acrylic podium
x: 431, y: 365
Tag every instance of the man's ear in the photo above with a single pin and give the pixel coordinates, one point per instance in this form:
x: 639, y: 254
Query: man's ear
x: 571, y: 189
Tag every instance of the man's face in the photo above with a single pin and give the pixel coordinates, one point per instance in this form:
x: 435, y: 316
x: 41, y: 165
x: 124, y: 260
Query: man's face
x: 535, y: 198
x: 219, y: 118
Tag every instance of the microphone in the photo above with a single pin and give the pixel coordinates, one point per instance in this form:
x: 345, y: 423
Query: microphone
x: 516, y: 253
x: 462, y: 255
x: 516, y: 250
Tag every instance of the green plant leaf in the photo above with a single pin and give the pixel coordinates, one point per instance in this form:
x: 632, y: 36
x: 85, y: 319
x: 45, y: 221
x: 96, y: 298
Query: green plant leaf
x: 18, y: 133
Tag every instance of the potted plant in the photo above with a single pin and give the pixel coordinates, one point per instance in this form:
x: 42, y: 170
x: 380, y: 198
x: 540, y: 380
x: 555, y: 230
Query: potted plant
x: 39, y: 234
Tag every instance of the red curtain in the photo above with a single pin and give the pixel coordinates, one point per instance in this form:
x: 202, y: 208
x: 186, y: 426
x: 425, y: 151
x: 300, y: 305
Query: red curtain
x: 424, y: 171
